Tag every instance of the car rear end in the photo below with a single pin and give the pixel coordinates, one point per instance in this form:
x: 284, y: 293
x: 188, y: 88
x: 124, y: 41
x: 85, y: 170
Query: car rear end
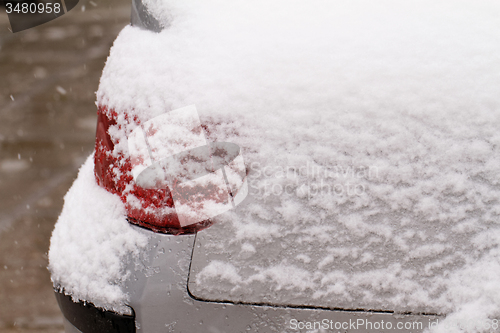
x: 362, y: 195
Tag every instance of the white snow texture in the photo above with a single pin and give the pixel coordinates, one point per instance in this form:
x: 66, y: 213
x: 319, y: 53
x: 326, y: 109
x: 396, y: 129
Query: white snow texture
x: 370, y: 130
x: 91, y: 242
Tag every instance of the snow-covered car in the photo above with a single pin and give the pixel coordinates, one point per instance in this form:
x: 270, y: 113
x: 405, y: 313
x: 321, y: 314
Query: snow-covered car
x: 363, y: 194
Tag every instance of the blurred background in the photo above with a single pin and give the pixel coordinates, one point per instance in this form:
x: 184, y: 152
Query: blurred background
x: 48, y: 78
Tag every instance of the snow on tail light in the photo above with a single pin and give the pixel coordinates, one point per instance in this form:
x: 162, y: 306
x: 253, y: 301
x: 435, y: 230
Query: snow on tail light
x: 171, y: 180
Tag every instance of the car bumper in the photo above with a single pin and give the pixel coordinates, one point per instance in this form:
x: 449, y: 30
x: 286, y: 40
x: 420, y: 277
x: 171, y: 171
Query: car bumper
x: 161, y: 302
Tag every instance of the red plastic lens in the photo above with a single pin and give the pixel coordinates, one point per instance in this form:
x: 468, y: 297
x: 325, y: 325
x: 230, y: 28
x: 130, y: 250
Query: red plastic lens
x: 153, y: 202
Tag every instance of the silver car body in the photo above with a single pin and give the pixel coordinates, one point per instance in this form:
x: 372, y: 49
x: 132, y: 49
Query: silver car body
x: 161, y: 298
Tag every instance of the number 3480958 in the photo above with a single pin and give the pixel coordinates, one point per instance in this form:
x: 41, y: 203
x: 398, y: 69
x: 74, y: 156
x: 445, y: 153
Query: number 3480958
x: 33, y: 8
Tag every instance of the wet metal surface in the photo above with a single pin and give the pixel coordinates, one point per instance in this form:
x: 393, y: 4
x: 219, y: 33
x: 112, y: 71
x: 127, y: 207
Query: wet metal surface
x: 48, y: 78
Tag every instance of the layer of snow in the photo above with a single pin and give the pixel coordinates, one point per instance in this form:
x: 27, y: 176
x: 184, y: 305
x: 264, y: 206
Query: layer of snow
x: 371, y: 132
x: 91, y: 242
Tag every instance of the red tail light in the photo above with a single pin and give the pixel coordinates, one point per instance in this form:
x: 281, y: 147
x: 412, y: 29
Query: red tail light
x: 114, y: 173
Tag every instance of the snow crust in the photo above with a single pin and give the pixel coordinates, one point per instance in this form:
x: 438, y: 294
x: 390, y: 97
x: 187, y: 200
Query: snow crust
x: 91, y: 243
x: 371, y: 136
